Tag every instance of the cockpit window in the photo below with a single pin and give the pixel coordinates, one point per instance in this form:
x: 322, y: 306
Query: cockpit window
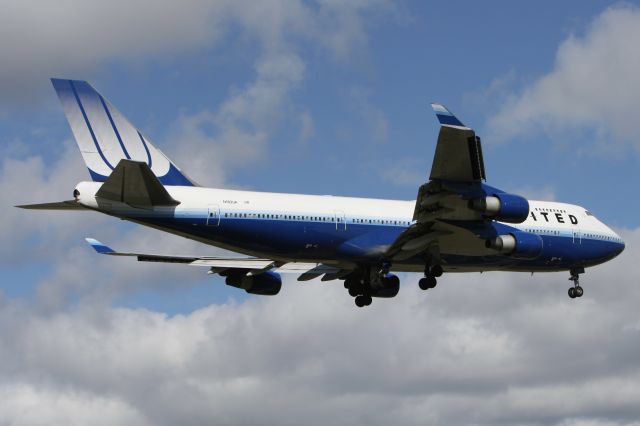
x: 588, y: 213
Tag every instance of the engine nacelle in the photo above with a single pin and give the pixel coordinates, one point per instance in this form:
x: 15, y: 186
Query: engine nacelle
x: 264, y: 284
x: 503, y: 207
x: 520, y: 245
x: 386, y: 287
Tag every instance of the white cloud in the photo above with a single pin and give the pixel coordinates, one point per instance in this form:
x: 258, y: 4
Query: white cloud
x: 594, y: 86
x: 74, y: 38
x: 42, y: 39
x: 38, y: 405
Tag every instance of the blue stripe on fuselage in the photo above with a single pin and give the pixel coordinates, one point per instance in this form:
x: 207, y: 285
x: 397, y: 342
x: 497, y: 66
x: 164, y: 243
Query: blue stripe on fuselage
x: 321, y: 240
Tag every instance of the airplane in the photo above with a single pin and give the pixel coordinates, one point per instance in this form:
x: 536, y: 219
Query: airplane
x: 457, y: 223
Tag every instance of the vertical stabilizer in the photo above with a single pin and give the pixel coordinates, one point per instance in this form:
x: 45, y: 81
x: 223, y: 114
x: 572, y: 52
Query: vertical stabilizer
x: 105, y: 136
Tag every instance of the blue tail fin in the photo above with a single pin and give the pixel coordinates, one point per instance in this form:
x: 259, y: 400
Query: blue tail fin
x: 105, y: 136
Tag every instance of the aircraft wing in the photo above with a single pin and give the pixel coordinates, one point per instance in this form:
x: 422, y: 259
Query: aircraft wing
x: 307, y: 271
x: 456, y: 175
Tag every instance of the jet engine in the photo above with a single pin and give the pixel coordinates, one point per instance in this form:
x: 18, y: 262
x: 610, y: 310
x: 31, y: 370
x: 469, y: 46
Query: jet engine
x: 520, y: 245
x: 388, y: 286
x: 503, y: 207
x: 264, y: 284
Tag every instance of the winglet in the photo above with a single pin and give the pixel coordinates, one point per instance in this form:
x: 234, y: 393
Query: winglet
x: 99, y: 247
x: 445, y: 117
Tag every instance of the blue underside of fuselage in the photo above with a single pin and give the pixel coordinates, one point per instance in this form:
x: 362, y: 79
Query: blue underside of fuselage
x: 364, y: 243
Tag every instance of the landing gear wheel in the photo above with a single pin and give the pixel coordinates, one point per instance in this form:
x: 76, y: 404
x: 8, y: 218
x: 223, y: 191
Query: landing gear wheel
x: 423, y: 284
x: 432, y: 282
x: 363, y: 300
x: 427, y: 282
x: 436, y: 271
x: 576, y: 290
x: 351, y: 282
x: 353, y: 291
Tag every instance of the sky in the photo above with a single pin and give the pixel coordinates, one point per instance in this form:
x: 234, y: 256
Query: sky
x: 321, y: 97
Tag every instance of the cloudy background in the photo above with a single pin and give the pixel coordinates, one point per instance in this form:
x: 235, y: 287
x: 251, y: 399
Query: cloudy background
x: 319, y: 97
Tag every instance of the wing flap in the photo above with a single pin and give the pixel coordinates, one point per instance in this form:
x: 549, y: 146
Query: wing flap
x: 238, y: 263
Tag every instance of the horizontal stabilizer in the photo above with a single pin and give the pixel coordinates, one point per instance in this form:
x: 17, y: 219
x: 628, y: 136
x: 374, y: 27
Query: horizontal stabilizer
x: 133, y: 183
x: 60, y: 205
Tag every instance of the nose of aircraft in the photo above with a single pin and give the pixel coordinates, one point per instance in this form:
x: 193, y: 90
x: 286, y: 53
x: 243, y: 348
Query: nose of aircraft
x: 618, y: 245
x: 615, y: 245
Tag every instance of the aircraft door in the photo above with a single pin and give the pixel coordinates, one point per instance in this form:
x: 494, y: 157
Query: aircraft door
x: 577, y: 235
x: 213, y: 216
x: 341, y: 221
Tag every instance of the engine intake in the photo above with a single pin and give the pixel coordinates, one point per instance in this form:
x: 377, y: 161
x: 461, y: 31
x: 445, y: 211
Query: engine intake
x: 520, y: 245
x: 264, y: 284
x: 503, y: 207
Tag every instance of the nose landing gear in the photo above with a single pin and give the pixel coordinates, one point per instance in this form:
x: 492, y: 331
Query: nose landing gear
x: 576, y: 290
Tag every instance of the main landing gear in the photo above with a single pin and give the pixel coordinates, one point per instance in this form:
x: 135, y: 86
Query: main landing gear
x: 363, y: 300
x: 576, y: 290
x: 431, y: 273
x: 370, y: 282
x: 359, y: 290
